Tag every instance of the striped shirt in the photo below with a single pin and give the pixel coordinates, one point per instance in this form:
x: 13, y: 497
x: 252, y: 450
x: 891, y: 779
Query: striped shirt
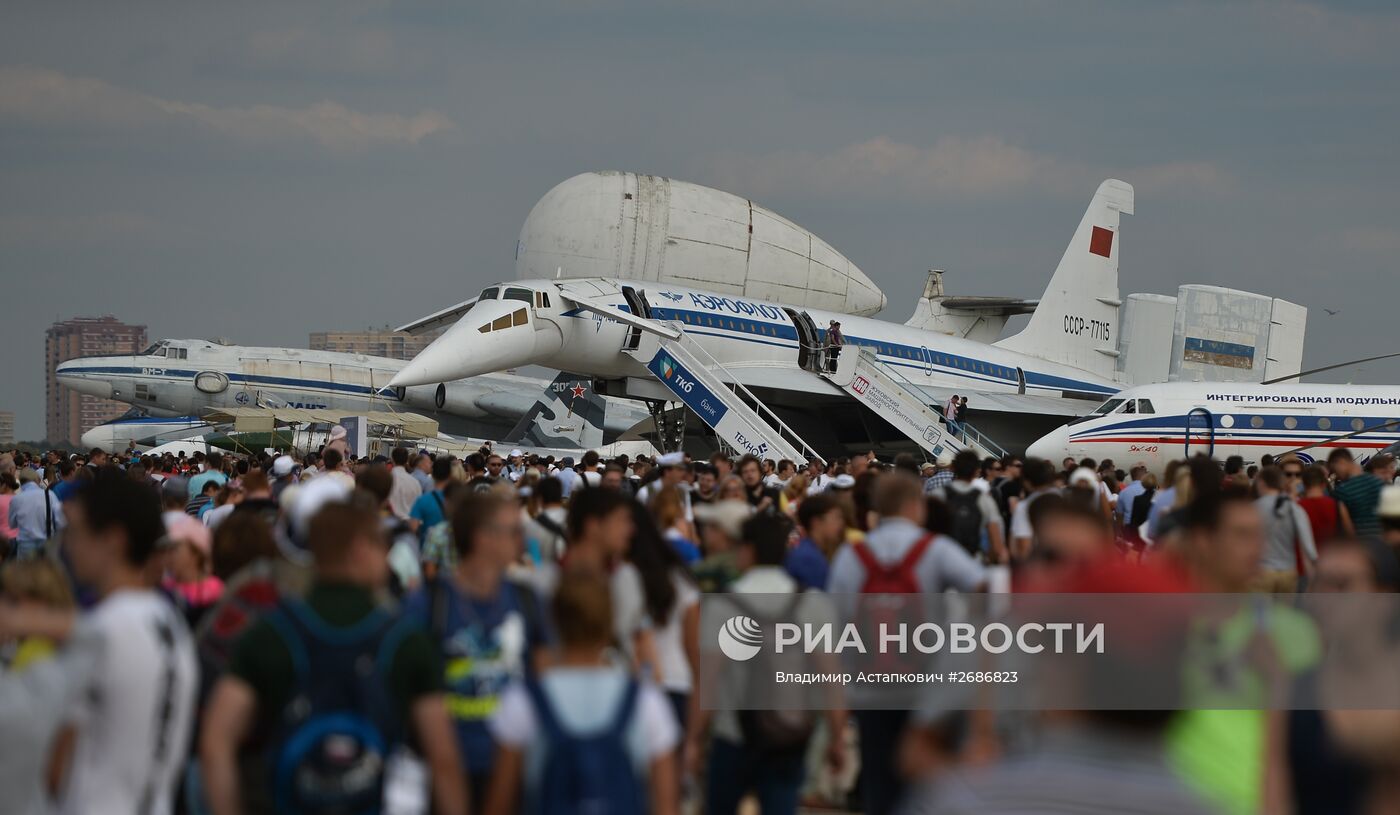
x: 1361, y: 493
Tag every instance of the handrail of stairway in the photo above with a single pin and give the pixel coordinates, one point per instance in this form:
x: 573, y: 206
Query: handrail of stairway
x: 780, y: 425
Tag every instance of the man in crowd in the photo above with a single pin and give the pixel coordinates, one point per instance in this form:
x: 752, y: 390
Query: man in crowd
x: 406, y: 489
x: 974, y: 516
x: 213, y: 472
x: 35, y: 514
x: 301, y: 667
x: 486, y: 626
x: 133, y: 720
x: 899, y: 550
x: 430, y: 508
x: 1358, y: 489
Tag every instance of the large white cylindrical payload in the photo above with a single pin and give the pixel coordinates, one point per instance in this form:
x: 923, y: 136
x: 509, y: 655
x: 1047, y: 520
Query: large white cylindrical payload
x: 649, y: 228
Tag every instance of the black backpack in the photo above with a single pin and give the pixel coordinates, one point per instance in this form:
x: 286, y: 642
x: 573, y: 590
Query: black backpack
x: 773, y: 732
x: 333, y: 738
x: 964, y: 518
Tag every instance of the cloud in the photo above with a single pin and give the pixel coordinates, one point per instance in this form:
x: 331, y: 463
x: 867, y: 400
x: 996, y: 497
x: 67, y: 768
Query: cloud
x: 89, y: 228
x: 46, y: 97
x: 979, y: 166
x: 1372, y: 240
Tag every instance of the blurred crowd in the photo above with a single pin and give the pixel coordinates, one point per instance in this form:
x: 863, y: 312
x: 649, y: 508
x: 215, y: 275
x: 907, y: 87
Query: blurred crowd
x: 504, y: 633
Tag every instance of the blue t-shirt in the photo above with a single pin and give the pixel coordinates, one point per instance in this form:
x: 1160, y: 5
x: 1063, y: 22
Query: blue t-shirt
x: 196, y: 484
x: 806, y: 564
x: 688, y: 551
x: 428, y: 508
x: 485, y: 645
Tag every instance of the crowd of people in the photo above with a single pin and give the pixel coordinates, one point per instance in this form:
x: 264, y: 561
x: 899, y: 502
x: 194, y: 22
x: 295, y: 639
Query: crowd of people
x: 503, y: 633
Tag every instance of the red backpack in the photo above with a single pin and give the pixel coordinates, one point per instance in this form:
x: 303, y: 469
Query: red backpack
x: 896, y: 579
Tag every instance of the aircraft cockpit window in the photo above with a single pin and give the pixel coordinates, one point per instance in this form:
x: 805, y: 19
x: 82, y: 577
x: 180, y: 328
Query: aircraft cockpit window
x: 489, y: 294
x: 150, y: 349
x: 1145, y: 406
x: 178, y: 353
x: 523, y: 295
x: 518, y: 317
x: 1129, y: 406
x: 1108, y: 407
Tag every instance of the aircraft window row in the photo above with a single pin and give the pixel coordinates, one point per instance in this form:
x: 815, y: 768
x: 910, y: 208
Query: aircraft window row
x: 518, y: 317
x: 541, y: 299
x: 178, y: 353
x: 523, y: 295
x: 1137, y: 406
x: 1292, y: 422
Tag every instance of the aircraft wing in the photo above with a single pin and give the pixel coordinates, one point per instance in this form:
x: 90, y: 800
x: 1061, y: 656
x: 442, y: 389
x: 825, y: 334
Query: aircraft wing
x: 436, y: 320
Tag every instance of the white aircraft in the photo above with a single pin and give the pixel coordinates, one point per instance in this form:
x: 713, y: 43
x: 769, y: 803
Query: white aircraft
x: 175, y: 381
x: 1153, y: 424
x: 668, y: 342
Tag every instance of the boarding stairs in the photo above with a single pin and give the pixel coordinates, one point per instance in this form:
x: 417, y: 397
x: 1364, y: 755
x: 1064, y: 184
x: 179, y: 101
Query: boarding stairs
x: 738, y: 417
x: 861, y: 375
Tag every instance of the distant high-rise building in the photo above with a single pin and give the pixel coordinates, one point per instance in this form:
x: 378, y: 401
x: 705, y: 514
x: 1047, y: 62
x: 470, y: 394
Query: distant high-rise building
x: 381, y: 343
x: 71, y: 414
x: 7, y: 429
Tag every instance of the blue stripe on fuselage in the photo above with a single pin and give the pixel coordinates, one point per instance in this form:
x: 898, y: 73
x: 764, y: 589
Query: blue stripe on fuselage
x: 764, y: 332
x: 175, y: 374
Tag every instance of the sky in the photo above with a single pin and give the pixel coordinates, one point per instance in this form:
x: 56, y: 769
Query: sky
x: 258, y: 171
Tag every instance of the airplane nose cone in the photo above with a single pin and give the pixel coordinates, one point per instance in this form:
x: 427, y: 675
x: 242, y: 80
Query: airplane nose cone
x: 493, y: 336
x: 1053, y: 446
x: 78, y: 375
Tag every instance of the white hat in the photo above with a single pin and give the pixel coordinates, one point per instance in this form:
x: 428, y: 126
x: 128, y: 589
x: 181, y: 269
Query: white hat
x: 945, y: 460
x: 1389, y: 506
x: 670, y: 460
x: 729, y: 515
x: 516, y: 453
x: 282, y: 467
x: 310, y: 500
x: 844, y: 481
x: 1084, y: 476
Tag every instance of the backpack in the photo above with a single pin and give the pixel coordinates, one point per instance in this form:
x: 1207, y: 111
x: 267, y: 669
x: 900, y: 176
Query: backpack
x: 773, y: 732
x: 965, y: 518
x: 897, y: 579
x: 591, y: 774
x: 333, y: 738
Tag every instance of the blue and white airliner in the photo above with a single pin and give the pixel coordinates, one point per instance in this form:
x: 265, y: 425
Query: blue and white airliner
x: 1153, y: 424
x: 174, y: 382
x: 1017, y: 388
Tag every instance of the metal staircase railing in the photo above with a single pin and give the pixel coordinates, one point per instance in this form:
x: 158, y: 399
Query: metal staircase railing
x: 739, y: 389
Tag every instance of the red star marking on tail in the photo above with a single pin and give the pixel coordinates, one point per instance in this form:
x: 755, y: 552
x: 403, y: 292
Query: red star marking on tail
x: 579, y: 390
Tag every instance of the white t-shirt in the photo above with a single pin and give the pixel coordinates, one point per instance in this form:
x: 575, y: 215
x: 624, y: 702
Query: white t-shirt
x: 628, y: 599
x: 585, y: 700
x: 673, y: 666
x: 134, y: 717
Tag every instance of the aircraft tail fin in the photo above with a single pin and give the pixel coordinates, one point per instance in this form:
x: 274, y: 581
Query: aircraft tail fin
x: 1076, y: 322
x: 568, y: 415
